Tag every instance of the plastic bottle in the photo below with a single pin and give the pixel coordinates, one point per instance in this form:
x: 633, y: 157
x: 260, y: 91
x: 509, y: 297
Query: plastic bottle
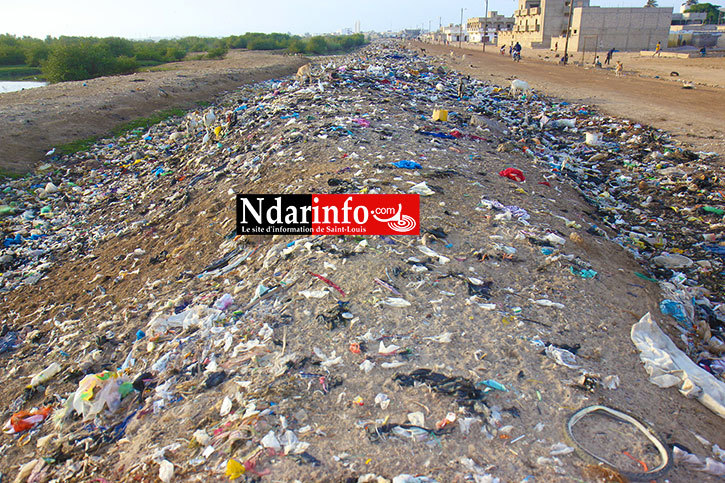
x: 45, y: 375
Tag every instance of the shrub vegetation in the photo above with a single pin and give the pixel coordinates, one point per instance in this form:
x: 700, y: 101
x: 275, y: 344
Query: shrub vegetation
x: 78, y: 58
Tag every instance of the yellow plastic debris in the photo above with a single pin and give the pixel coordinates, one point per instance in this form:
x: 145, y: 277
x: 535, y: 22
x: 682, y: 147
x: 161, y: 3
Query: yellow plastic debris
x: 234, y: 469
x: 217, y: 130
x: 440, y: 115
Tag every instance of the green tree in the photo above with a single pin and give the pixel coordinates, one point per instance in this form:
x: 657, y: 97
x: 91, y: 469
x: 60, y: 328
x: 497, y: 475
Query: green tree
x: 11, y: 55
x: 216, y: 52
x: 77, y: 61
x: 713, y: 12
x: 117, y: 46
x: 316, y: 45
x: 11, y: 52
x: 124, y: 65
x: 296, y: 46
x: 651, y: 3
x: 36, y: 52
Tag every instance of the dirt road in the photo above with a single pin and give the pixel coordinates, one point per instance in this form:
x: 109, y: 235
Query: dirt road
x: 35, y: 120
x: 695, y: 116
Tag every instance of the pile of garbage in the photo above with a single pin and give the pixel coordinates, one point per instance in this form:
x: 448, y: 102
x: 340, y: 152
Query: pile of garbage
x: 660, y: 200
x: 144, y: 339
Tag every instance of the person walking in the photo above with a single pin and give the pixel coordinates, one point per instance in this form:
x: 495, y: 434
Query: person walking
x: 610, y: 54
x: 658, y: 49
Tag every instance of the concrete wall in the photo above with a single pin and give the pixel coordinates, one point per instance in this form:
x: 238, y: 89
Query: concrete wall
x: 625, y: 29
x: 556, y: 20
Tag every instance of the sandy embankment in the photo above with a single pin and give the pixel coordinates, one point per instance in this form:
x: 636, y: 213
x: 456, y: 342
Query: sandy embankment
x: 36, y: 120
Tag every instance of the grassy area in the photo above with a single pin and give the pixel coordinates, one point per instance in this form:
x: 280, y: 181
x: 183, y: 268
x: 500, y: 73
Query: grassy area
x: 4, y: 173
x: 149, y: 63
x: 125, y: 128
x: 19, y: 72
x: 146, y: 122
x: 76, y: 146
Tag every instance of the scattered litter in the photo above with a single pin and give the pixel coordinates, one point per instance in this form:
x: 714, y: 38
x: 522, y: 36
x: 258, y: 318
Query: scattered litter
x: 513, y: 173
x: 421, y: 189
x: 668, y: 366
x: 561, y: 356
x: 165, y: 313
x: 664, y: 450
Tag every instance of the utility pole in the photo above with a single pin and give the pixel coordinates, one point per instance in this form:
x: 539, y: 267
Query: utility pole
x: 460, y: 31
x: 568, y: 31
x: 485, y: 27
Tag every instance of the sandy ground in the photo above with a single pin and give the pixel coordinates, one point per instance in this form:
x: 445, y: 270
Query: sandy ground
x: 35, y: 120
x: 695, y: 116
x: 708, y: 71
x: 292, y: 143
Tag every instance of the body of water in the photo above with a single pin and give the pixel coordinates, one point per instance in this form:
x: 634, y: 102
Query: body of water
x: 10, y: 86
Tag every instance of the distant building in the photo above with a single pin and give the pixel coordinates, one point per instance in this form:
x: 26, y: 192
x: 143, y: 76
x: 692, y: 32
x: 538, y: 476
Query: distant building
x: 454, y: 33
x: 410, y: 34
x: 542, y: 24
x: 433, y: 36
x: 690, y: 28
x: 489, y: 26
x: 689, y: 18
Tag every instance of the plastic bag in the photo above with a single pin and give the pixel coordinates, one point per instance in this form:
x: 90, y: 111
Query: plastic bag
x: 96, y: 392
x: 513, y: 173
x: 25, y: 420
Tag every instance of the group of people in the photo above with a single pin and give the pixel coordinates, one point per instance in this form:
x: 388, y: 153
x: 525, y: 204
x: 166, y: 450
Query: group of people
x: 514, y: 51
x: 597, y: 63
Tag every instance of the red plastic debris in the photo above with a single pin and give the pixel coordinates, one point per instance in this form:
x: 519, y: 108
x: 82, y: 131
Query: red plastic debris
x: 513, y: 173
x: 328, y: 282
x: 25, y: 420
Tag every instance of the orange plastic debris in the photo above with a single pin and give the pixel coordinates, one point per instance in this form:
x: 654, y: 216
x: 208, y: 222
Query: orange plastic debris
x: 25, y: 420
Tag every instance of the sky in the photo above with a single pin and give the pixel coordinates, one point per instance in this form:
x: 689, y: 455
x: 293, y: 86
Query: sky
x: 215, y: 18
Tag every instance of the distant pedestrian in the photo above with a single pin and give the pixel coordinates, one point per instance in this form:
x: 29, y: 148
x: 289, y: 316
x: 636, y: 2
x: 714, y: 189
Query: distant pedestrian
x: 619, y: 69
x: 564, y: 59
x: 658, y: 50
x: 503, y: 49
x: 703, y: 51
x: 556, y: 46
x: 517, y: 52
x: 610, y: 54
